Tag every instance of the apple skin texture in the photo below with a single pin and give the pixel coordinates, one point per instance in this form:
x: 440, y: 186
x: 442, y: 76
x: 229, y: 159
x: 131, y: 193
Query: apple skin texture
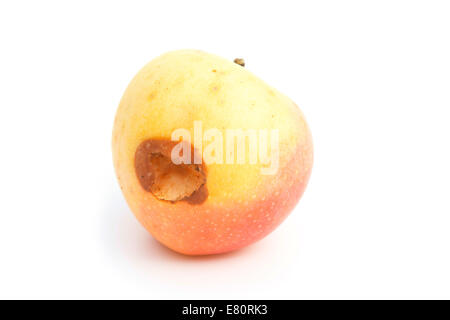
x: 243, y: 205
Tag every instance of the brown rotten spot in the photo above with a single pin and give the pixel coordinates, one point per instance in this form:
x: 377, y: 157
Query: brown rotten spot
x: 165, y: 179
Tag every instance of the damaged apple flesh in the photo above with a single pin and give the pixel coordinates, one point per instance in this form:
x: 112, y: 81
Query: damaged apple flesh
x: 166, y: 180
x: 173, y: 182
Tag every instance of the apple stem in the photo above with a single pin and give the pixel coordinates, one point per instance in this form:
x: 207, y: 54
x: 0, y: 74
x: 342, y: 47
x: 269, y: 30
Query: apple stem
x: 240, y: 62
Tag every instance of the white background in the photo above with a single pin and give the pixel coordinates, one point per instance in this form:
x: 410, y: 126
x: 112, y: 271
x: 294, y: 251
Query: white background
x: 372, y: 77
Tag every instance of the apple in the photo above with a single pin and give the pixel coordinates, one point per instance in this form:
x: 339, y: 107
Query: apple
x: 209, y: 157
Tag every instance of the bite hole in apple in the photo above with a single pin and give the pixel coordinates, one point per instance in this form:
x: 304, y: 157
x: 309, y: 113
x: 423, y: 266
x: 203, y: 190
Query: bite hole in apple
x: 166, y: 180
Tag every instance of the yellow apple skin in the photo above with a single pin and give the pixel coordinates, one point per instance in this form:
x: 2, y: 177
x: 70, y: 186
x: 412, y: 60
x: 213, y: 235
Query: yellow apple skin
x: 243, y: 205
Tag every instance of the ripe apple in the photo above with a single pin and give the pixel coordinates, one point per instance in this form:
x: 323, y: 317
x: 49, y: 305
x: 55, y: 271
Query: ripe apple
x: 201, y: 205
